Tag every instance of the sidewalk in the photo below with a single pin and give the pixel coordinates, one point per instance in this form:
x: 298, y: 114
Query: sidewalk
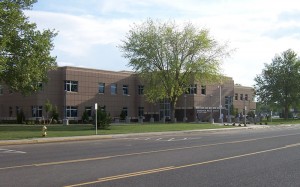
x: 98, y: 137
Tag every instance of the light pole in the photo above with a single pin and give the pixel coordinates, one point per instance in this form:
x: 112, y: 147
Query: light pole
x: 220, y: 106
x: 184, y: 119
x: 245, y: 108
x: 211, y: 109
x: 127, y: 116
x: 96, y: 108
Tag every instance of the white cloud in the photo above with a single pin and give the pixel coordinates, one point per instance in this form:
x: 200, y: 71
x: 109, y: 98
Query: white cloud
x: 257, y: 29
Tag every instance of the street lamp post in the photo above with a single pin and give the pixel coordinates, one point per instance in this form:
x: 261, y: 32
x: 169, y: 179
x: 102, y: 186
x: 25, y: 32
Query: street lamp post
x: 211, y: 110
x: 245, y: 108
x: 220, y: 106
x: 184, y: 119
x: 96, y: 108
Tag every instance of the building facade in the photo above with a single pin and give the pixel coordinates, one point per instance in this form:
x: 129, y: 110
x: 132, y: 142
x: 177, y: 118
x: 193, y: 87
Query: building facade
x: 75, y: 90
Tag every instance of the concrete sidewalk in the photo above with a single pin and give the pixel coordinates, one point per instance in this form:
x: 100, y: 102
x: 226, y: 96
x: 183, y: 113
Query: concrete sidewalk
x: 98, y: 137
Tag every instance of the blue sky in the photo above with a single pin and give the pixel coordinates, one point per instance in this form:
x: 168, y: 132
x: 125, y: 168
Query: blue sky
x: 90, y: 30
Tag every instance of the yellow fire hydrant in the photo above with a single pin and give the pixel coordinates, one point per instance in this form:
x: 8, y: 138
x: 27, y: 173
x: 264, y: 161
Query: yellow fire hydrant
x: 44, y: 131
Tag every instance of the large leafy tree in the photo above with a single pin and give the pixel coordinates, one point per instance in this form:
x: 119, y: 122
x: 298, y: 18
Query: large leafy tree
x: 24, y: 51
x: 279, y: 82
x: 170, y: 57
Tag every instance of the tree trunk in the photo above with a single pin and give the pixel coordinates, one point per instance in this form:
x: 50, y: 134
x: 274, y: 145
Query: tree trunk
x: 286, y: 112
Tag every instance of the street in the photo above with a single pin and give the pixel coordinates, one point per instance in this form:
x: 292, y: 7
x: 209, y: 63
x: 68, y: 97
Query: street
x: 244, y: 157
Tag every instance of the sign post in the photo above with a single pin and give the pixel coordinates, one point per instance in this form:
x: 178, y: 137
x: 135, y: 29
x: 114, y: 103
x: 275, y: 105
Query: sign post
x: 96, y: 107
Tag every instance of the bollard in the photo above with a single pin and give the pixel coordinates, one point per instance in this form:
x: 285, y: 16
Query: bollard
x: 44, y: 131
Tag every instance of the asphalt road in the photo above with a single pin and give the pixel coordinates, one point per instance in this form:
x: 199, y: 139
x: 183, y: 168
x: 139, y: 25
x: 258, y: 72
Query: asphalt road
x: 246, y: 157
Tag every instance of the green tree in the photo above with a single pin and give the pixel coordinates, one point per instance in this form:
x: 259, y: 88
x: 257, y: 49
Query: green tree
x: 24, y: 51
x: 169, y: 58
x: 279, y: 82
x: 48, y: 108
x: 103, y: 119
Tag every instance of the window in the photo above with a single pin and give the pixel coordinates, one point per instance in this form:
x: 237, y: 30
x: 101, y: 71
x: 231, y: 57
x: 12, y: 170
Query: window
x: 101, y: 88
x: 125, y: 89
x: 18, y: 110
x: 10, y: 111
x: 141, y: 90
x: 236, y: 96
x: 125, y: 110
x: 71, y: 86
x: 165, y: 109
x: 241, y: 97
x: 71, y: 111
x: 203, y: 89
x: 37, y: 111
x: 141, y: 111
x: 1, y: 90
x: 246, y: 97
x: 192, y: 89
x: 40, y: 86
x: 113, y: 88
x: 88, y: 110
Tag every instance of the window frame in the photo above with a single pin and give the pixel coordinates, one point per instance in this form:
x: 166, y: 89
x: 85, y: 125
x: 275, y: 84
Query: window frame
x: 101, y: 88
x: 71, y: 86
x: 125, y: 89
x: 113, y: 89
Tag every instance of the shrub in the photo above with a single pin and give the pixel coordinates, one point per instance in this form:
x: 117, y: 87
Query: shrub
x: 122, y: 115
x: 85, y: 117
x: 20, y: 117
x: 103, y: 119
x: 54, y: 114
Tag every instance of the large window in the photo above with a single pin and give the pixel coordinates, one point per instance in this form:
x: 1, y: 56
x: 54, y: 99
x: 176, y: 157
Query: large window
x: 165, y: 109
x: 71, y: 86
x: 141, y: 90
x: 203, y: 89
x: 71, y: 111
x: 125, y: 90
x: 236, y: 96
x: 125, y: 110
x: 141, y: 111
x: 37, y: 111
x: 246, y: 97
x: 192, y: 89
x: 241, y: 97
x: 113, y: 89
x: 101, y: 88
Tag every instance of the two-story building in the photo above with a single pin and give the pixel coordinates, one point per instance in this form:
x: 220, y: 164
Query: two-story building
x: 74, y: 90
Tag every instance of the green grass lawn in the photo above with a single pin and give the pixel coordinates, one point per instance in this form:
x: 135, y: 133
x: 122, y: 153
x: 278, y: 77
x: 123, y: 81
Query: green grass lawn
x: 9, y: 132
x: 12, y: 132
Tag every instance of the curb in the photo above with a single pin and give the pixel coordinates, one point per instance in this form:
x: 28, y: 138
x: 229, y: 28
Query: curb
x: 99, y: 137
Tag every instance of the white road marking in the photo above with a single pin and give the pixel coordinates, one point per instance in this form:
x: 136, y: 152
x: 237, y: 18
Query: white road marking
x: 11, y: 151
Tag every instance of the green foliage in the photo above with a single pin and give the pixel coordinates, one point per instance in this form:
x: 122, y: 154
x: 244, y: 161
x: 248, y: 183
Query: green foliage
x: 251, y: 114
x: 20, y: 117
x: 24, y: 51
x: 85, y: 117
x: 48, y: 108
x: 54, y: 114
x: 168, y: 59
x: 103, y: 119
x: 279, y: 83
x: 122, y: 115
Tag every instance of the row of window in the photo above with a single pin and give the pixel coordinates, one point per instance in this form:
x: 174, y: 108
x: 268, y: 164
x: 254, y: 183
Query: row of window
x: 242, y: 97
x: 71, y: 111
x: 72, y: 86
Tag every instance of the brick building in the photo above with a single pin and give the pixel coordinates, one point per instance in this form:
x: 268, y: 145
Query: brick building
x: 75, y: 90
